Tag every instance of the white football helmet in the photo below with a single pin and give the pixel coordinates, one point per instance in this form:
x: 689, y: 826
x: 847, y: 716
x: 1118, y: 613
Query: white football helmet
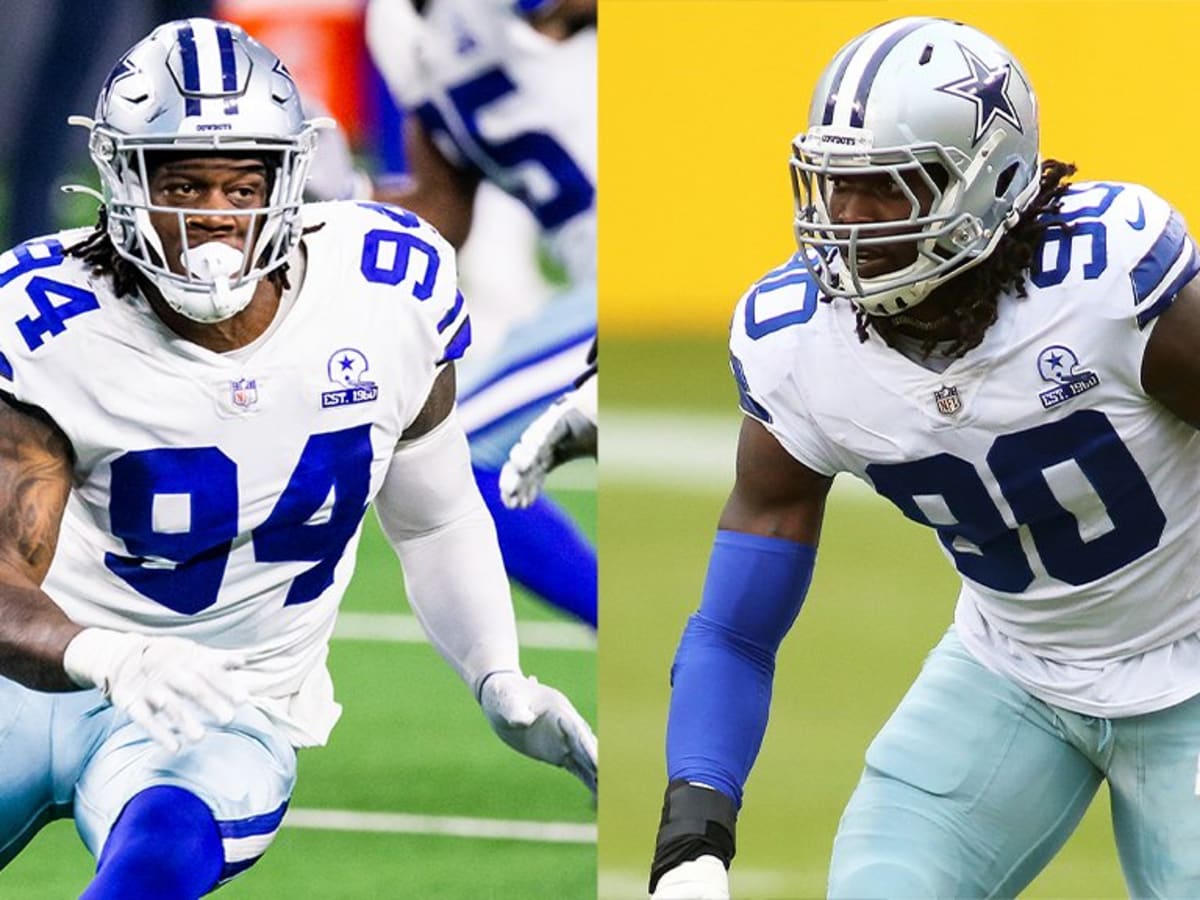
x: 921, y: 96
x: 201, y: 87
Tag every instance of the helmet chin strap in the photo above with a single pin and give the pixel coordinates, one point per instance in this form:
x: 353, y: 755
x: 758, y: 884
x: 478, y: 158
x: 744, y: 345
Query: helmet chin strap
x: 212, y: 299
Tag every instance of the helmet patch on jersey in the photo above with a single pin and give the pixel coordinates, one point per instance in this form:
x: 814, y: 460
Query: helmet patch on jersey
x: 948, y: 400
x: 348, y: 368
x: 1060, y: 366
x: 987, y: 87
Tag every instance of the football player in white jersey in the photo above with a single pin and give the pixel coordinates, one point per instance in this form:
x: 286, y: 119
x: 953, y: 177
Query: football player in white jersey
x: 201, y: 398
x: 1010, y: 359
x: 504, y: 91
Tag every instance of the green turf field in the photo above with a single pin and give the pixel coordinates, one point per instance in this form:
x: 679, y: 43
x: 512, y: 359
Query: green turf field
x: 411, y: 741
x: 881, y: 597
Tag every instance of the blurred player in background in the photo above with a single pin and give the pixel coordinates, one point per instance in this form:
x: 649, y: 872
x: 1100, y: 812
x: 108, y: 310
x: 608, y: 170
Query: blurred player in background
x: 202, y: 395
x: 503, y: 92
x: 566, y: 430
x: 1011, y: 359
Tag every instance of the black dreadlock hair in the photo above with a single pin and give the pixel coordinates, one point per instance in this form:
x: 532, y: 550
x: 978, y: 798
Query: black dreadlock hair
x: 978, y: 289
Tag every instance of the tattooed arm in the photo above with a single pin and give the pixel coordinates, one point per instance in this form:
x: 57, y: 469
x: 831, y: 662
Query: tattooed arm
x: 35, y: 479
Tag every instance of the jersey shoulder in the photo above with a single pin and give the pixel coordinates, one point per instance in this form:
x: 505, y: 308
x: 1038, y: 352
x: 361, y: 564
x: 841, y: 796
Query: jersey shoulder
x: 390, y: 254
x: 1117, y: 247
x: 773, y: 323
x: 49, y: 303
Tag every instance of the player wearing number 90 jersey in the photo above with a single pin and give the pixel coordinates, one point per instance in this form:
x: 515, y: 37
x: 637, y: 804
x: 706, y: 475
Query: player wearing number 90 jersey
x: 1050, y: 476
x: 200, y: 398
x: 1011, y: 360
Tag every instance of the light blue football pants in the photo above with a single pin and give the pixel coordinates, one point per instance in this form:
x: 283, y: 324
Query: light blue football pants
x: 973, y: 785
x: 538, y: 360
x: 73, y: 754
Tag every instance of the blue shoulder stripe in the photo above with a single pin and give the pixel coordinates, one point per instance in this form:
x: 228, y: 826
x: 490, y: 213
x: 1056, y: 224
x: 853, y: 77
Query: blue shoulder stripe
x: 6, y: 369
x: 458, y: 343
x: 1152, y: 268
x: 1159, y: 306
x: 749, y: 405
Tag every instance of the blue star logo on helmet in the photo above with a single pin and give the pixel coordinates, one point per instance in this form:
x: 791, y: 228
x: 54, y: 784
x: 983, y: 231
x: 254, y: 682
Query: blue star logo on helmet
x: 122, y: 70
x: 987, y: 87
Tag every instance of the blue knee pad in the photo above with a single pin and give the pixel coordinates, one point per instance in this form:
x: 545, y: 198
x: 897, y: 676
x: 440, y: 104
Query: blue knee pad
x: 544, y: 551
x: 165, y: 844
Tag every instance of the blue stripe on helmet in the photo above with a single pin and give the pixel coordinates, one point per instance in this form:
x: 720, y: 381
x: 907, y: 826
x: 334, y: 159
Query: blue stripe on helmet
x: 872, y: 69
x: 191, y: 69
x: 836, y: 84
x: 253, y: 825
x: 228, y: 66
x: 6, y: 369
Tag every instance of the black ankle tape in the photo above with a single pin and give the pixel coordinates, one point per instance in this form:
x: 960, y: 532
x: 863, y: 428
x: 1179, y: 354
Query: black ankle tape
x: 696, y: 821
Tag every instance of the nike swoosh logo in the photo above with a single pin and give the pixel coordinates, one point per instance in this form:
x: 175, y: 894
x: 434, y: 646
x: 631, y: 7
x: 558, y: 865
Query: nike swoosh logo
x: 1140, y: 222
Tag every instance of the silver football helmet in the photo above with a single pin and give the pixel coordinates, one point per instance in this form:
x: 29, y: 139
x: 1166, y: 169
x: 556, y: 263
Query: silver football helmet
x: 203, y: 87
x: 935, y: 103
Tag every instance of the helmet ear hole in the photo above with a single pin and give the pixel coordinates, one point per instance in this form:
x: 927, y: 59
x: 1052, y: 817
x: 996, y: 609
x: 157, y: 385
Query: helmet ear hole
x: 1005, y: 179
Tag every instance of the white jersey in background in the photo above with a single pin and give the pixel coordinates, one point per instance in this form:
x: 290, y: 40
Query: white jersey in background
x: 219, y: 497
x: 1065, y: 496
x: 499, y: 98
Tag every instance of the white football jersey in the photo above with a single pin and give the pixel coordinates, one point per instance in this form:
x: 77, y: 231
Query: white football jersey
x: 504, y: 101
x: 1064, y: 495
x: 219, y: 497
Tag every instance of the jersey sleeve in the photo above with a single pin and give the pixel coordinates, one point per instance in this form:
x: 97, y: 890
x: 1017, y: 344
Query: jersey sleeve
x: 771, y: 326
x: 1148, y: 257
x: 416, y: 253
x: 1165, y: 257
x: 36, y: 305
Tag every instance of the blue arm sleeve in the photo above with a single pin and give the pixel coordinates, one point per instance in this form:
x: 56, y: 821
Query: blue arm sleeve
x: 721, y: 678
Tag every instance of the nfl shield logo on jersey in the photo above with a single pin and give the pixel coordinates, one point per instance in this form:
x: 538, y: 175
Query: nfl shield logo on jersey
x: 244, y: 392
x: 947, y: 399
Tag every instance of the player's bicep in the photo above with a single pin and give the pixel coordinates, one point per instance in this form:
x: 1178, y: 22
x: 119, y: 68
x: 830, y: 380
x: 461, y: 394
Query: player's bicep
x: 35, y: 481
x: 774, y: 495
x: 1171, y: 364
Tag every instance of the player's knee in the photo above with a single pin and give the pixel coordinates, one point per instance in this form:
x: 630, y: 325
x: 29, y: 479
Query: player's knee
x: 878, y: 879
x: 165, y: 843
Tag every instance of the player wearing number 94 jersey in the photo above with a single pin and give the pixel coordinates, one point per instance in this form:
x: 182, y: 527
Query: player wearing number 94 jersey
x: 206, y: 392
x: 1011, y: 360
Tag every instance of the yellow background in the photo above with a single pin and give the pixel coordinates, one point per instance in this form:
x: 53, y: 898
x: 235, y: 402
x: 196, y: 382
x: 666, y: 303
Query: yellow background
x: 699, y: 101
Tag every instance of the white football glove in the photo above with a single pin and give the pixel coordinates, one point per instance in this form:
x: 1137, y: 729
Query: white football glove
x: 565, y: 431
x: 540, y: 722
x: 699, y: 879
x: 170, y: 686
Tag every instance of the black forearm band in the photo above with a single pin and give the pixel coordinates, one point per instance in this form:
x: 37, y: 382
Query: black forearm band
x: 696, y: 821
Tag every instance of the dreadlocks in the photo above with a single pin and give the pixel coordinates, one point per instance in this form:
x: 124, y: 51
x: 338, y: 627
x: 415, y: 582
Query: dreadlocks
x: 98, y: 252
x: 978, y: 289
